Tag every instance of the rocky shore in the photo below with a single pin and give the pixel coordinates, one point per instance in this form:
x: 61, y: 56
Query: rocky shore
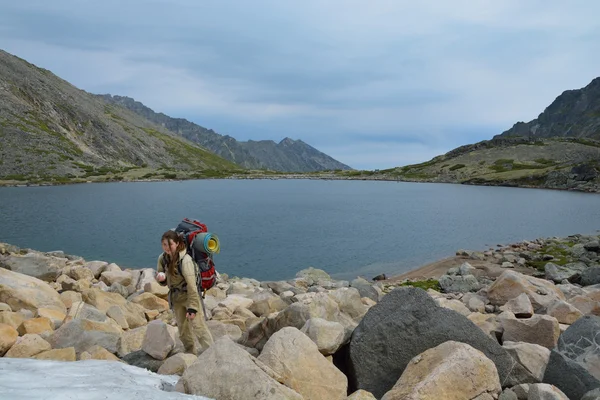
x: 512, y: 322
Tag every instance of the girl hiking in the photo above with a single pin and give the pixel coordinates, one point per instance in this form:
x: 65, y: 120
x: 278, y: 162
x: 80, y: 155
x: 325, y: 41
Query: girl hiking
x: 176, y: 269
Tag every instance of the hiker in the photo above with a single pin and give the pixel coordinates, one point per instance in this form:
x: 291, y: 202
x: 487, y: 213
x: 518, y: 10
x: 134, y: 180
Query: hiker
x: 183, y: 293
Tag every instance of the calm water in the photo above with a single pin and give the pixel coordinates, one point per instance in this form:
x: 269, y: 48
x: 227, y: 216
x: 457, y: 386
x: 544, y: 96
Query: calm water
x: 270, y: 229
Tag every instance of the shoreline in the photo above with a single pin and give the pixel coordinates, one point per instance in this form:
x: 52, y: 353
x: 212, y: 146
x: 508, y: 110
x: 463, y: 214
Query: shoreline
x: 296, y: 177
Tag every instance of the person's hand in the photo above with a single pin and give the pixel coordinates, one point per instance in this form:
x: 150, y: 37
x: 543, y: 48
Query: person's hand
x: 191, y: 314
x: 161, y: 277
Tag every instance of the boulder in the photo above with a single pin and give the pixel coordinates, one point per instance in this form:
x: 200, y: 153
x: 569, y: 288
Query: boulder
x: 349, y: 302
x: 116, y: 313
x: 131, y: 341
x: 455, y: 305
x: 539, y: 329
x: 177, y: 364
x: 147, y: 275
x: 532, y: 356
x: 365, y: 289
x: 8, y: 337
x: 69, y: 297
x: 141, y: 359
x: 574, y: 365
x: 35, y: 265
x: 219, y: 329
x: 265, y: 303
x: 39, y: 326
x: 234, y: 301
x: 450, y: 371
x: 459, y: 284
x: 511, y: 284
x: 81, y: 310
x: 327, y: 335
x: 119, y: 289
x: 83, y: 334
x: 590, y: 276
x: 122, y: 277
x: 543, y: 391
x: 293, y: 356
x: 151, y: 302
x: 79, y: 272
x: 97, y: 267
x: 158, y: 342
x: 361, y: 395
x: 157, y: 289
x: 564, y: 312
x: 28, y: 346
x: 100, y: 353
x: 558, y: 273
x: 313, y: 275
x: 56, y: 317
x: 66, y: 354
x: 488, y: 323
x: 520, y: 306
x: 25, y: 292
x: 226, y: 372
x: 406, y: 323
x: 10, y: 318
x: 592, y: 395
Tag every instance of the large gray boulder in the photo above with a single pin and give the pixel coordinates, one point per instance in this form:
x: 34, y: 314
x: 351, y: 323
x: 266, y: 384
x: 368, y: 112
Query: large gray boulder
x: 406, y: 323
x: 20, y: 291
x: 590, y: 276
x: 574, y: 365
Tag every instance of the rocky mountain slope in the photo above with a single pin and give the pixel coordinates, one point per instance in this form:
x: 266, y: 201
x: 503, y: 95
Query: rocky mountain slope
x: 53, y: 131
x: 286, y: 156
x: 575, y: 113
x: 558, y: 150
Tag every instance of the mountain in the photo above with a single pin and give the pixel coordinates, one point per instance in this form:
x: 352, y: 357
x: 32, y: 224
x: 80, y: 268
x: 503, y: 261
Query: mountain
x: 559, y: 150
x: 286, y: 156
x: 52, y: 131
x: 575, y: 113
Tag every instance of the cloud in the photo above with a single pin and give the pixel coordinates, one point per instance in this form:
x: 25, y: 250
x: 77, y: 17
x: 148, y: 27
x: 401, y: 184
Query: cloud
x: 398, y: 79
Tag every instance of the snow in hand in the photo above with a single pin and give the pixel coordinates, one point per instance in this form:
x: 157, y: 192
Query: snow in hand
x: 27, y: 379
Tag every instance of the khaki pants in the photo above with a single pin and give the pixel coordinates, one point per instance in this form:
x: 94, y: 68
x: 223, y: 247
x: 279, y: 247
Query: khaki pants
x: 190, y: 329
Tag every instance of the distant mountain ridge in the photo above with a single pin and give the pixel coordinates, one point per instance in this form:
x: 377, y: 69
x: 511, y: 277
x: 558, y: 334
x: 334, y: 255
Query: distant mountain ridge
x: 52, y: 131
x: 286, y: 156
x: 575, y: 113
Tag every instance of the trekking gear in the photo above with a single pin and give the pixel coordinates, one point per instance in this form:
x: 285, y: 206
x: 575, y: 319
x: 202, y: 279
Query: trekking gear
x: 200, y: 245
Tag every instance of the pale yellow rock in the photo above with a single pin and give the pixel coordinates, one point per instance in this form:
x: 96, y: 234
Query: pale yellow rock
x: 450, y: 371
x: 13, y: 319
x: 564, y: 312
x: 131, y: 341
x: 361, y: 395
x: 5, y: 307
x: 80, y: 272
x: 28, y: 346
x: 296, y: 358
x: 66, y: 354
x: 157, y: 289
x: 8, y: 337
x: 56, y: 317
x: 151, y: 302
x: 36, y: 325
x: 85, y: 356
x: 151, y: 314
x: 100, y: 353
x: 177, y: 364
x: 511, y: 284
x: 69, y: 297
x: 116, y: 313
x: 25, y: 292
x: 455, y: 305
x: 102, y: 300
x: 539, y: 329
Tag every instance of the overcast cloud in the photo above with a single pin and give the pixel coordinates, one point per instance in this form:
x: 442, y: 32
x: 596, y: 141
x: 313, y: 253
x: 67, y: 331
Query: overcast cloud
x: 374, y: 84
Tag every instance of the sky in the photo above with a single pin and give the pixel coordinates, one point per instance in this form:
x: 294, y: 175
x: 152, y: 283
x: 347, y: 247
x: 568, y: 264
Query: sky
x: 374, y: 84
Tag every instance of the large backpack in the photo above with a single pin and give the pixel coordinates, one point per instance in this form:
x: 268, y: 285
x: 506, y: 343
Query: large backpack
x: 200, y: 245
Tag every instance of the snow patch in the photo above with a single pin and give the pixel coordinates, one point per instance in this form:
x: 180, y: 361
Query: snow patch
x: 29, y: 379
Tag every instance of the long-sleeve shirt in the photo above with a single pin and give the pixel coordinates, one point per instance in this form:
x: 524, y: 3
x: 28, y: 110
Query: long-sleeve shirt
x: 184, y: 284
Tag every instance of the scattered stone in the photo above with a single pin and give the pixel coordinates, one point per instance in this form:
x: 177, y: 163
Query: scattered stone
x: 564, y: 312
x: 8, y: 337
x: 34, y: 265
x: 532, y: 356
x: 36, y: 325
x: 66, y: 354
x: 361, y: 395
x: 543, y: 391
x: 539, y: 329
x: 451, y: 370
x: 224, y: 361
x: 406, y: 323
x: 83, y: 334
x: 177, y: 364
x: 590, y: 276
x: 520, y: 306
x: 293, y: 356
x: 28, y: 346
x: 158, y: 342
x: 142, y: 359
x: 511, y: 284
x: 151, y: 302
x: 327, y: 335
x: 455, y: 305
x: 459, y: 284
x: 25, y: 292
